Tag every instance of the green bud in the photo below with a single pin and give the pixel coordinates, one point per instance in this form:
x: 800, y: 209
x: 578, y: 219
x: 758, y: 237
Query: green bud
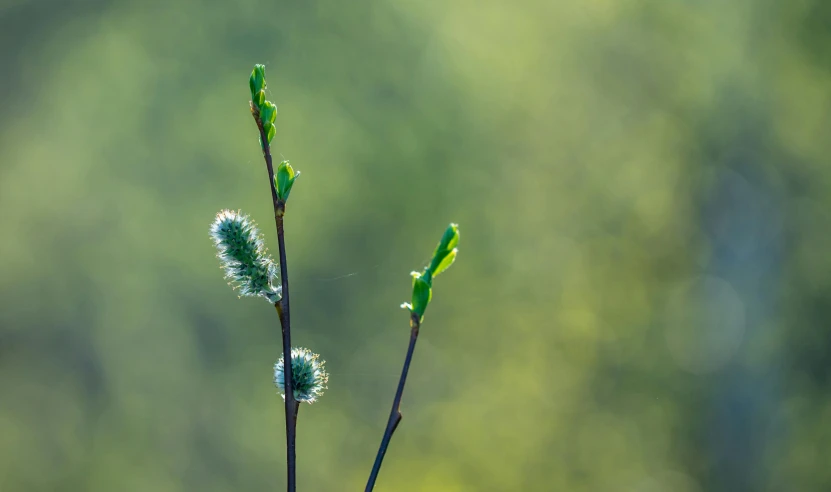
x: 259, y: 99
x: 271, y: 130
x: 257, y: 84
x: 445, y: 252
x: 284, y: 180
x: 264, y: 110
x: 450, y: 238
x: 268, y: 113
x: 445, y: 263
x: 422, y: 293
x: 443, y: 257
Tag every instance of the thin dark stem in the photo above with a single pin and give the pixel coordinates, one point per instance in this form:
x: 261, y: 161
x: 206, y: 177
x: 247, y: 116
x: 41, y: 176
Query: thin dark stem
x: 395, y: 413
x: 291, y: 404
x: 278, y: 209
x: 282, y: 307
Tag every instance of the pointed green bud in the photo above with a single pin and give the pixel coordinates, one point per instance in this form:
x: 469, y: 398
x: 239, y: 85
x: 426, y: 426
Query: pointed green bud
x: 257, y: 85
x: 450, y: 238
x: 257, y: 80
x: 445, y: 262
x: 271, y: 132
x: 268, y: 113
x: 445, y: 252
x: 259, y: 99
x: 284, y: 180
x: 422, y: 293
x: 443, y: 257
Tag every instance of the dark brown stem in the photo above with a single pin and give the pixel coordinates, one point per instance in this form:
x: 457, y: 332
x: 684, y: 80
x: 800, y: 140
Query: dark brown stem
x: 279, y: 207
x: 292, y: 405
x: 282, y: 307
x: 395, y: 413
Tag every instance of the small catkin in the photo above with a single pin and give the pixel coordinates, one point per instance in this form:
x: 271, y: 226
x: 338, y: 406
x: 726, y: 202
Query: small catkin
x: 308, y: 376
x: 243, y: 256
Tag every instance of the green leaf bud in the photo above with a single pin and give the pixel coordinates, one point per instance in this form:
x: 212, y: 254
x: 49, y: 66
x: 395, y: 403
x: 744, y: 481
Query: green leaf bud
x: 284, y: 180
x: 268, y: 113
x: 257, y: 85
x: 443, y: 256
x: 422, y: 293
x: 445, y: 252
x: 445, y: 262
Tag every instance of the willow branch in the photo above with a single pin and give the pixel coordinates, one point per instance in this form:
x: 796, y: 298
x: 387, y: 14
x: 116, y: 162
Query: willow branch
x: 282, y: 306
x: 395, y: 413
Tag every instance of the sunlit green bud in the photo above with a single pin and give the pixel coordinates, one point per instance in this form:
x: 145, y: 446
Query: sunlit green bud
x: 445, y: 262
x: 257, y: 85
x: 422, y: 293
x: 445, y: 253
x: 443, y: 257
x: 264, y: 111
x: 284, y: 180
x: 450, y: 238
x: 308, y: 376
x: 268, y: 113
x: 243, y: 256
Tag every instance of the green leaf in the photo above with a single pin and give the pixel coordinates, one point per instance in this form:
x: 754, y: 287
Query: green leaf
x: 443, y: 257
x: 445, y: 263
x: 446, y: 246
x: 258, y: 99
x: 450, y: 238
x: 271, y: 132
x: 284, y: 180
x: 422, y: 293
x: 257, y: 85
x: 268, y: 113
x: 257, y: 82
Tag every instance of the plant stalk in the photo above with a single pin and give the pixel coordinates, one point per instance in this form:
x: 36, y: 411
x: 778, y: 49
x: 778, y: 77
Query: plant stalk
x: 395, y: 413
x: 291, y: 405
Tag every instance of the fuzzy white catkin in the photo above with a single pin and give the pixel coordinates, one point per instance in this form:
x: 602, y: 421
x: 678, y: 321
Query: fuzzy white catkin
x: 243, y: 256
x: 308, y: 376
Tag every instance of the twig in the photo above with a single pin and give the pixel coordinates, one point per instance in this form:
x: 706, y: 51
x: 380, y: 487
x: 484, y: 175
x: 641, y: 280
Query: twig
x: 395, y: 413
x: 292, y: 405
x: 282, y: 307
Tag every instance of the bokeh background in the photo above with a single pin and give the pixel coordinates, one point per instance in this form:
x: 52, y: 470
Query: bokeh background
x: 641, y: 300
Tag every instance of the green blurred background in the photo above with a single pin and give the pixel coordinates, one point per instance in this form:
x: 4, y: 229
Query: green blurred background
x: 641, y: 300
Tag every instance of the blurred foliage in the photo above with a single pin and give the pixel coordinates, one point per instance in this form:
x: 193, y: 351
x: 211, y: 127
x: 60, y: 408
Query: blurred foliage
x: 643, y: 186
